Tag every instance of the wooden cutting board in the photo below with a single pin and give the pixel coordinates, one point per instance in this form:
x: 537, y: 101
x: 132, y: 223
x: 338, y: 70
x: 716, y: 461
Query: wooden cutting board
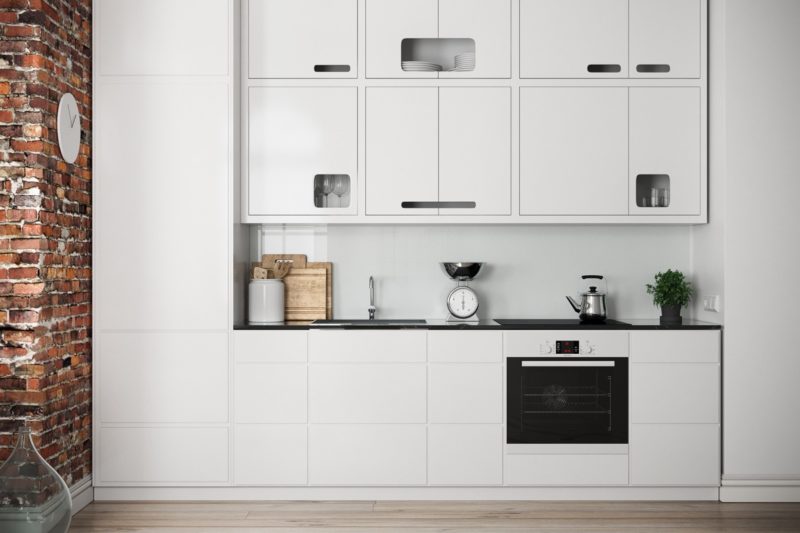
x: 328, y: 286
x: 306, y: 294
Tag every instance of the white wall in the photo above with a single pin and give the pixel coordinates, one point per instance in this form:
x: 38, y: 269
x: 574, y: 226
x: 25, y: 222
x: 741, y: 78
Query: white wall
x: 529, y: 268
x: 762, y: 247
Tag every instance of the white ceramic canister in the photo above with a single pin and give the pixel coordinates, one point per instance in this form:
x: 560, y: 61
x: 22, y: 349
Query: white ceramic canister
x: 266, y: 301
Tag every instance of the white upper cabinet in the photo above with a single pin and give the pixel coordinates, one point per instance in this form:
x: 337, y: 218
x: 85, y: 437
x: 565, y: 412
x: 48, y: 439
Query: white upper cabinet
x: 389, y: 22
x: 665, y: 38
x: 437, y: 31
x: 475, y: 149
x: 402, y: 156
x: 573, y: 38
x: 488, y: 24
x: 295, y: 137
x: 665, y: 150
x: 573, y: 151
x: 302, y: 38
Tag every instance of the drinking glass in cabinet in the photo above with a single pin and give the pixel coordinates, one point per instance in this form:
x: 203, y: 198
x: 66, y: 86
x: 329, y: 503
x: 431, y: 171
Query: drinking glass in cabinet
x: 652, y: 190
x: 326, y: 185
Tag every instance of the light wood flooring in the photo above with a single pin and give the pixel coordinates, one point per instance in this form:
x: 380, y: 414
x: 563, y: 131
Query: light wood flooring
x: 436, y: 517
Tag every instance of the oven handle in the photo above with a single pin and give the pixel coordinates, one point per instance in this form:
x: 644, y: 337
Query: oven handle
x: 568, y: 363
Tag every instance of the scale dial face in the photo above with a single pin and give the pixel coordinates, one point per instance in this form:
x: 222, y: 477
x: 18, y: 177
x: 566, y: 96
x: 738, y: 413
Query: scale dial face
x: 462, y: 302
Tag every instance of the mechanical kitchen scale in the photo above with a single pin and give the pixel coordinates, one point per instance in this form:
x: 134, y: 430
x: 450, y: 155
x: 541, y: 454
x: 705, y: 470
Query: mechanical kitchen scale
x: 462, y: 302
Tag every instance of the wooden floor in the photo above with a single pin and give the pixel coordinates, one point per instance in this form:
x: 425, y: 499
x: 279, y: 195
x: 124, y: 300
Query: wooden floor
x: 436, y: 517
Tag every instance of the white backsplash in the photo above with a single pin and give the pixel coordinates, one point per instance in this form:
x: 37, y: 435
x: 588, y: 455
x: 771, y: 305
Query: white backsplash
x: 529, y: 269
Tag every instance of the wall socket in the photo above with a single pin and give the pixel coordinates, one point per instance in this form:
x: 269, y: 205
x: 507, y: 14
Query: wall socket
x: 712, y: 303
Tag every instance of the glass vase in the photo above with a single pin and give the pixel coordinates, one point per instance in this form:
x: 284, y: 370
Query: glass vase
x: 33, y: 497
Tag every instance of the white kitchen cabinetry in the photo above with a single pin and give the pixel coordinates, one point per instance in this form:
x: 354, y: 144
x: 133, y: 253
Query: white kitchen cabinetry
x: 367, y: 454
x: 295, y: 134
x: 402, y: 149
x: 274, y: 454
x: 665, y: 150
x: 569, y: 469
x: 465, y: 393
x: 573, y: 151
x: 675, y: 408
x: 437, y: 30
x: 465, y: 454
x: 302, y: 38
x: 665, y: 38
x: 440, y: 151
x: 573, y: 38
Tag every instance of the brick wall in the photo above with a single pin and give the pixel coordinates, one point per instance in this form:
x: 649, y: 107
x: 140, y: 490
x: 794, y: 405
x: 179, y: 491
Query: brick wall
x: 45, y: 232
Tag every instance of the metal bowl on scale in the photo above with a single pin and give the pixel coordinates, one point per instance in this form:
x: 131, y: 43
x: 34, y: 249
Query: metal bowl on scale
x: 461, y: 271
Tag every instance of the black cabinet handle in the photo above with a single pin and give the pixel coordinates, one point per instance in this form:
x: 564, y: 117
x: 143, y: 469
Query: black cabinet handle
x: 653, y: 68
x: 438, y: 205
x: 331, y: 68
x: 604, y: 68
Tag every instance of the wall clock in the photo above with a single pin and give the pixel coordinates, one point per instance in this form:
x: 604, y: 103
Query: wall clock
x: 69, y: 128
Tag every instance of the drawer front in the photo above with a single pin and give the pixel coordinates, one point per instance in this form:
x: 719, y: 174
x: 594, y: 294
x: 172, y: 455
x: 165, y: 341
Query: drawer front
x: 270, y: 394
x: 466, y: 393
x: 469, y: 454
x: 675, y: 346
x: 674, y: 393
x: 566, y: 469
x: 384, y: 346
x: 270, y: 346
x: 465, y: 346
x: 675, y: 454
x: 271, y: 454
x: 388, y: 393
x: 367, y: 454
x: 162, y: 377
x: 164, y: 456
x: 531, y: 343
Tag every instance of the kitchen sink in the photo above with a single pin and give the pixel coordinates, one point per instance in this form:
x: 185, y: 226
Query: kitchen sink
x: 365, y: 322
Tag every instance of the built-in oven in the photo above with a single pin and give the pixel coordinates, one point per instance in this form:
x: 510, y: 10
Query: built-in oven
x: 567, y: 398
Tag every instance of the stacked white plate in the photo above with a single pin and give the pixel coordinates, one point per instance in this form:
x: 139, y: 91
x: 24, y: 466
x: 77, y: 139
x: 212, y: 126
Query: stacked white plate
x: 420, y: 66
x: 465, y: 62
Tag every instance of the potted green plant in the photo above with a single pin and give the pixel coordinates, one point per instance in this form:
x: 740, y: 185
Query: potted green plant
x: 671, y: 291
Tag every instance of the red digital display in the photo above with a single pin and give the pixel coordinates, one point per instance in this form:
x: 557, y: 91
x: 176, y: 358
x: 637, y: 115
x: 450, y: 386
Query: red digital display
x: 568, y: 347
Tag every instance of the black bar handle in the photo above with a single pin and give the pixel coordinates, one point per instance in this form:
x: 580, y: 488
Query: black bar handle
x: 331, y: 68
x: 591, y: 276
x: 604, y: 68
x: 438, y: 205
x: 658, y: 68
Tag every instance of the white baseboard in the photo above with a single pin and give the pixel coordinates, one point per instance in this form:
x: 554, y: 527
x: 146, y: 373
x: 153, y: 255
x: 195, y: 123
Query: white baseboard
x: 407, y: 493
x: 82, y: 494
x: 762, y: 493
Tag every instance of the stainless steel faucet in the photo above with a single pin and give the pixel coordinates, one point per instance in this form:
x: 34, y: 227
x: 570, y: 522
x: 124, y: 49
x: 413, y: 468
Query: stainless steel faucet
x: 372, y: 307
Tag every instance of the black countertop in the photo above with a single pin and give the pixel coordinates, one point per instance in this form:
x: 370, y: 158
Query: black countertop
x: 511, y: 324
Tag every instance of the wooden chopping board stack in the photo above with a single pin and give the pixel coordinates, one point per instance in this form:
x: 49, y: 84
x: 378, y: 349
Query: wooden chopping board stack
x: 309, y: 286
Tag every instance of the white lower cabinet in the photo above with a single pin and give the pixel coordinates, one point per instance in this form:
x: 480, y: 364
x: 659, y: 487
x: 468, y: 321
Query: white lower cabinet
x: 465, y: 393
x: 270, y: 394
x: 675, y: 393
x: 367, y: 454
x: 274, y: 454
x: 162, y: 455
x: 367, y: 393
x: 465, y: 454
x: 568, y: 469
x: 675, y: 454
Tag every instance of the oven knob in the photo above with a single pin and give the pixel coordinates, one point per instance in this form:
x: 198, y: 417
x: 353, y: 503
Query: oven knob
x: 546, y: 348
x: 587, y: 348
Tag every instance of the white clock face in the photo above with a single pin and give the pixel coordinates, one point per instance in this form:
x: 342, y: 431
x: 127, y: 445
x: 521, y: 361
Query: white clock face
x: 69, y: 128
x: 462, y: 302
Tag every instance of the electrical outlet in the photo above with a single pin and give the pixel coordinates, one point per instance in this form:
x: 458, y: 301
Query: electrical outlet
x: 711, y: 303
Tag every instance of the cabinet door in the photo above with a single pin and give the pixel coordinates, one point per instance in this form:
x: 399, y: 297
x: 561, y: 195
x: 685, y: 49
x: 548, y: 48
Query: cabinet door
x: 469, y: 454
x: 366, y: 454
x: 665, y: 38
x: 274, y: 454
x: 573, y: 151
x: 302, y: 38
x: 675, y: 454
x: 475, y: 149
x: 388, y: 23
x: 665, y: 149
x: 402, y: 155
x: 465, y: 393
x: 294, y: 134
x: 573, y: 38
x: 653, y: 399
x: 488, y: 23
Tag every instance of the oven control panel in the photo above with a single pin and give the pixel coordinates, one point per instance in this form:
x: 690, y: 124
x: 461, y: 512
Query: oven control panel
x: 565, y: 343
x: 566, y: 347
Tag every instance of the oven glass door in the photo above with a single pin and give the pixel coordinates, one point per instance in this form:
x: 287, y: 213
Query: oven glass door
x: 567, y: 400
